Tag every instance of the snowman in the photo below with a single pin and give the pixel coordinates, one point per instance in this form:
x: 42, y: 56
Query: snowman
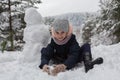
x: 36, y: 35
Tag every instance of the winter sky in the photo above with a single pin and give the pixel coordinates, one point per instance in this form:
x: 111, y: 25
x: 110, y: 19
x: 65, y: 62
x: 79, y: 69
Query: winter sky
x: 56, y: 7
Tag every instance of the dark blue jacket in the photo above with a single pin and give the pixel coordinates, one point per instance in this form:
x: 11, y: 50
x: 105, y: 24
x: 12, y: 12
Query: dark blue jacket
x: 67, y: 54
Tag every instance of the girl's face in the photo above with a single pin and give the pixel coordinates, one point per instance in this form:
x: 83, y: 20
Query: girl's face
x: 60, y: 35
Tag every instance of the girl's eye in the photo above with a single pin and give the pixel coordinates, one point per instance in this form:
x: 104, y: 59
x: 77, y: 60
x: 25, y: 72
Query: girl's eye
x: 57, y: 32
x: 62, y: 32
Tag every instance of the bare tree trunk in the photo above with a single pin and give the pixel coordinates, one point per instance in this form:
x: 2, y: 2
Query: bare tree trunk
x: 10, y: 26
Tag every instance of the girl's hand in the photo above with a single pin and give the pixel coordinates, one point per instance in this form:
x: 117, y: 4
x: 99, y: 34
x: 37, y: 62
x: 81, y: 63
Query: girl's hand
x: 46, y: 69
x: 58, y: 68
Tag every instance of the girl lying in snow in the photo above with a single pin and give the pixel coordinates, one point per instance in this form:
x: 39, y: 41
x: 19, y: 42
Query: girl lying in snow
x: 64, y: 50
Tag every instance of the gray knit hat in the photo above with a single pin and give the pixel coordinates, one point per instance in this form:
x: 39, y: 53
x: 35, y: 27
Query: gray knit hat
x: 60, y: 24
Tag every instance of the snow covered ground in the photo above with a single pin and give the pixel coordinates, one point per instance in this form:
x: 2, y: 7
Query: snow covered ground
x: 24, y: 65
x: 12, y: 68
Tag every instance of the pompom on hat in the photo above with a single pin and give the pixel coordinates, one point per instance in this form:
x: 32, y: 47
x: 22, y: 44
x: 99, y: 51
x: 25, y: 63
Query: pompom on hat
x: 60, y: 24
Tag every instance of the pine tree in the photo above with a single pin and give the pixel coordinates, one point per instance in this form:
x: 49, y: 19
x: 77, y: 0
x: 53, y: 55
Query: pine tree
x: 110, y: 19
x: 12, y: 17
x: 106, y: 25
